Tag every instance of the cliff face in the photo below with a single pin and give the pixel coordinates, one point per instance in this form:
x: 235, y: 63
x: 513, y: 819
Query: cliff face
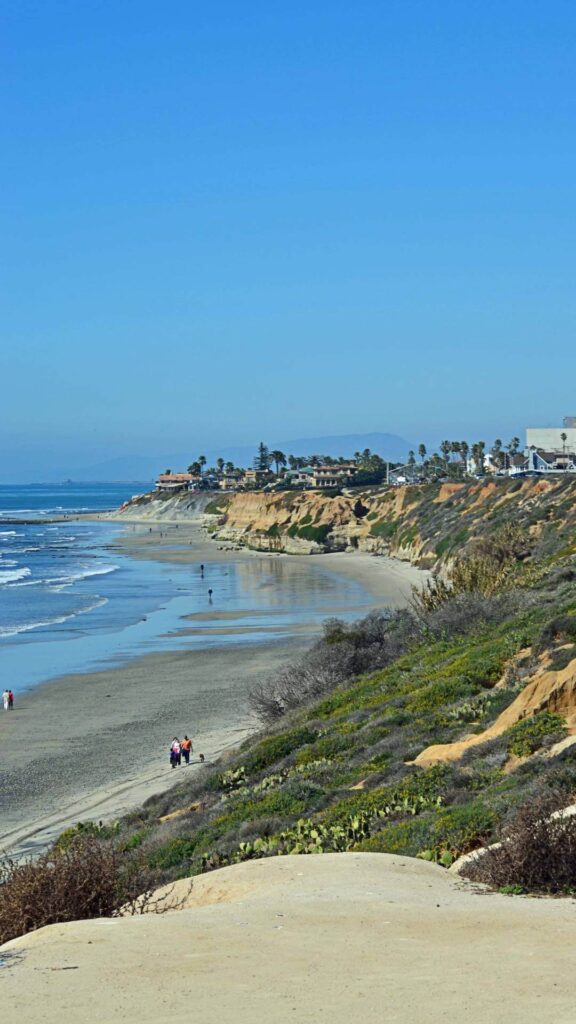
x: 171, y: 508
x: 424, y: 524
x: 298, y: 523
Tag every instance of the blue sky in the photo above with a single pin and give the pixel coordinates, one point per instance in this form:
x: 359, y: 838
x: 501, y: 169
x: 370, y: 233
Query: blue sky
x: 229, y: 221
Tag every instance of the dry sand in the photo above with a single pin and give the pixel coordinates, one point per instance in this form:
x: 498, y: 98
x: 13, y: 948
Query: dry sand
x: 80, y: 746
x: 340, y: 938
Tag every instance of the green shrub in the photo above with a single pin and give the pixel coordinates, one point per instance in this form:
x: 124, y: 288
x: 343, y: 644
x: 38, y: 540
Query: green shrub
x: 383, y: 528
x: 177, y: 851
x: 317, y: 534
x: 276, y: 748
x: 405, y: 838
x: 85, y: 828
x: 329, y: 747
x: 530, y: 734
x: 462, y: 828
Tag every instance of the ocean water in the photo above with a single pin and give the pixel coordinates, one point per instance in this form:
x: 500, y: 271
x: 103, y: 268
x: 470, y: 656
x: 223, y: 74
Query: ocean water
x: 72, y: 601
x: 41, y: 501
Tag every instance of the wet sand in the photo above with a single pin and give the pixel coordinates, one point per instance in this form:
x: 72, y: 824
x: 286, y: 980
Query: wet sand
x: 95, y: 745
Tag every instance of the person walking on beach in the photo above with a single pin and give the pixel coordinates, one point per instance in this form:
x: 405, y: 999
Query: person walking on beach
x: 10, y: 700
x: 175, y: 752
x: 186, y: 748
x: 210, y: 592
x: 6, y: 700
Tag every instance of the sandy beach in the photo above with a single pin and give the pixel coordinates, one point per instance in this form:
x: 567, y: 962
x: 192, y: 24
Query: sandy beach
x: 94, y: 744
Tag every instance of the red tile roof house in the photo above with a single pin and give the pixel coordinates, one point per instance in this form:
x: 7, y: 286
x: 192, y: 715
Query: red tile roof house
x: 177, y: 482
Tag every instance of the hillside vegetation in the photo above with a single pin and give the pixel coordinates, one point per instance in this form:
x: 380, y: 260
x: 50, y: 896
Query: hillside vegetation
x: 427, y: 732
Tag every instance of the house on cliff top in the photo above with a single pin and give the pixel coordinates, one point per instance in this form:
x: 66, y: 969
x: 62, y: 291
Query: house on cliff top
x: 173, y: 482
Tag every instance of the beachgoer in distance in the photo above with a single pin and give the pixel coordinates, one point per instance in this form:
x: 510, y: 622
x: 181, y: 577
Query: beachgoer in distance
x: 6, y: 700
x: 186, y: 748
x: 175, y: 752
x: 210, y: 592
x: 10, y: 700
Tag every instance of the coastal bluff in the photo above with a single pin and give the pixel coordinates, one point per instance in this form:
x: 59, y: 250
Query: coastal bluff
x: 342, y: 937
x: 423, y: 524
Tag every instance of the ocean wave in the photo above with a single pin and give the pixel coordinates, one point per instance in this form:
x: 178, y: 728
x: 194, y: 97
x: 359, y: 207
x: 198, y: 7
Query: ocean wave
x: 7, y: 533
x: 18, y: 551
x: 101, y: 570
x: 26, y: 627
x: 69, y: 578
x: 12, y: 575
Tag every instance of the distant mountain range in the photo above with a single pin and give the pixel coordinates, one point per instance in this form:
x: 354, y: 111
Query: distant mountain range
x: 145, y: 467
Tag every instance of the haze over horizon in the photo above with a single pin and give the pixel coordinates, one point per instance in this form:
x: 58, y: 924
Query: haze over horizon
x: 224, y: 224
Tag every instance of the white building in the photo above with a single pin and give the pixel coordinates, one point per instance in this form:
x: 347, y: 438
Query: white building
x: 549, y: 439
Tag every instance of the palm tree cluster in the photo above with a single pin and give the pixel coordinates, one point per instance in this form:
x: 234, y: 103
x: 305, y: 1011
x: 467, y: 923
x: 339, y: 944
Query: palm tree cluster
x: 221, y: 467
x: 454, y: 458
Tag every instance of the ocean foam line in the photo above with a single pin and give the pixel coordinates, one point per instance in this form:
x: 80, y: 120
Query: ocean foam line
x: 14, y: 574
x: 26, y: 627
x: 68, y: 580
x: 18, y: 551
x: 7, y: 533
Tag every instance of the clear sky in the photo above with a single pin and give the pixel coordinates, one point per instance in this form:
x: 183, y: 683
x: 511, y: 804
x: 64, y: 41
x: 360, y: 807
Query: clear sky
x: 229, y: 221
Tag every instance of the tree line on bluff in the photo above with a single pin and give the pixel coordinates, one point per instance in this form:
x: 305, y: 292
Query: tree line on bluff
x: 454, y: 459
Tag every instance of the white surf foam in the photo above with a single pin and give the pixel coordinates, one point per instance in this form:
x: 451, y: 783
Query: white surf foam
x: 11, y: 575
x: 58, y: 582
x: 26, y: 627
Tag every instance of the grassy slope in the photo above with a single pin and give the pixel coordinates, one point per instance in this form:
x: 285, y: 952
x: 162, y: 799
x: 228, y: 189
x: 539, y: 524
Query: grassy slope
x: 364, y: 734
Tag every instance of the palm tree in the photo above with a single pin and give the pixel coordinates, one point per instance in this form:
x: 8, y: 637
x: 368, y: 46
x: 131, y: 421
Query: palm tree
x: 422, y: 451
x: 496, y: 453
x: 229, y: 467
x: 446, y: 448
x: 195, y: 468
x: 220, y: 464
x: 201, y: 463
x: 279, y: 459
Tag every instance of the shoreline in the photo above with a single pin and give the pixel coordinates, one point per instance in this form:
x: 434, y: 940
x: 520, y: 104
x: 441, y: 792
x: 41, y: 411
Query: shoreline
x: 93, y: 759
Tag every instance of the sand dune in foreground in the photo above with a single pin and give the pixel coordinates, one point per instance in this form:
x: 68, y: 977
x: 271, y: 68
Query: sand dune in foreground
x: 339, y: 937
